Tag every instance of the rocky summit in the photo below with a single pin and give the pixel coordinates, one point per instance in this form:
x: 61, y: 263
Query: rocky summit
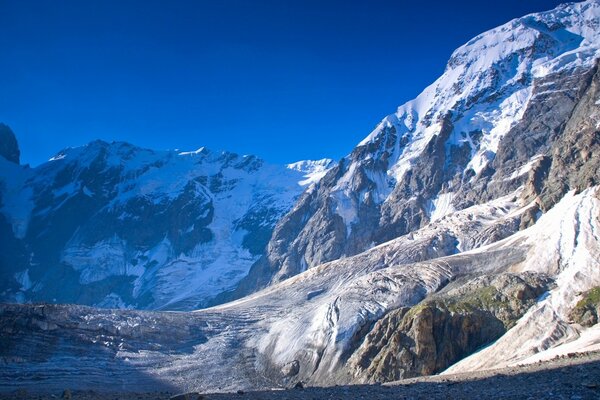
x: 461, y: 236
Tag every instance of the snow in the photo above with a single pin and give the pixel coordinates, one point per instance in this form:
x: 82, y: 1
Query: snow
x: 57, y: 157
x: 383, y: 185
x: 271, y: 328
x: 501, y: 118
x: 441, y: 206
x: 570, y: 230
x: 213, y: 267
x: 103, y: 259
x: 332, y: 301
x: 312, y: 317
x: 87, y: 192
x: 232, y: 187
x: 195, y: 152
x: 588, y: 340
x: 344, y: 203
x: 313, y: 171
x: 345, y: 208
x: 525, y: 168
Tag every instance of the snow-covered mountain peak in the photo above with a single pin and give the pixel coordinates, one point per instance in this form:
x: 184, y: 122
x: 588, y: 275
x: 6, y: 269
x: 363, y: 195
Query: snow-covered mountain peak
x: 488, y: 83
x: 543, y: 36
x: 174, y: 228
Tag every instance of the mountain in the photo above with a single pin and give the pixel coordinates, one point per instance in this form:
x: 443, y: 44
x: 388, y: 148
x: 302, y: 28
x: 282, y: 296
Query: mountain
x: 114, y: 225
x: 462, y: 234
x: 498, y: 112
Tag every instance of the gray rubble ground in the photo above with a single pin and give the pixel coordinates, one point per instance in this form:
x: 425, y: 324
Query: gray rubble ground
x: 573, y: 377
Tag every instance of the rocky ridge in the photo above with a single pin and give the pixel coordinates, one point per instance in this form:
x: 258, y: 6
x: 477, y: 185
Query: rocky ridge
x: 428, y: 338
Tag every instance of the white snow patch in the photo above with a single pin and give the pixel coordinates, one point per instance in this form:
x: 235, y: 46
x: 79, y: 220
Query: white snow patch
x: 57, y: 157
x: 87, y: 192
x: 494, y: 122
x: 189, y: 153
x: 441, y: 206
x: 99, y: 261
x: 589, y: 340
x: 313, y: 171
x: 345, y: 208
x: 525, y: 168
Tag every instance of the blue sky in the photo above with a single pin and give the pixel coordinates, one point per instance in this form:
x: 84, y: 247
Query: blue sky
x: 283, y: 79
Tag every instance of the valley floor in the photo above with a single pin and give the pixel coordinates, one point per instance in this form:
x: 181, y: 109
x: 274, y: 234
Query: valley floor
x: 572, y: 377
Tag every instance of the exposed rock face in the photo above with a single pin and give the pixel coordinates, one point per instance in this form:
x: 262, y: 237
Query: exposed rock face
x: 427, y: 341
x: 114, y: 225
x: 576, y: 153
x: 9, y: 148
x: 515, y: 107
x: 431, y: 336
x: 587, y: 310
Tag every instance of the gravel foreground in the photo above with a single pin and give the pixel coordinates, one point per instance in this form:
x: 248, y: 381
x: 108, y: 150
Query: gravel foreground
x: 573, y: 377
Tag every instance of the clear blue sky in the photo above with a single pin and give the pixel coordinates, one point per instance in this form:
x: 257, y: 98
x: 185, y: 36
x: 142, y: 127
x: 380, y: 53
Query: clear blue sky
x: 283, y: 79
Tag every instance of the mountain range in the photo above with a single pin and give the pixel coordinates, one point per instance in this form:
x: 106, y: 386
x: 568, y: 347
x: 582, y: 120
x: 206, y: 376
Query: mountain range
x: 115, y: 225
x: 462, y: 234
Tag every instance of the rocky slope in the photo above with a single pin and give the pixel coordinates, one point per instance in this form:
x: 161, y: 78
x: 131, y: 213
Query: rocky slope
x: 114, y: 225
x: 426, y: 339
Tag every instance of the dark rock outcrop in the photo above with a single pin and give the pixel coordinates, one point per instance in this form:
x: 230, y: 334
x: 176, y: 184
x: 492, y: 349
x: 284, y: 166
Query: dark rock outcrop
x: 9, y: 147
x: 576, y: 153
x: 446, y: 327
